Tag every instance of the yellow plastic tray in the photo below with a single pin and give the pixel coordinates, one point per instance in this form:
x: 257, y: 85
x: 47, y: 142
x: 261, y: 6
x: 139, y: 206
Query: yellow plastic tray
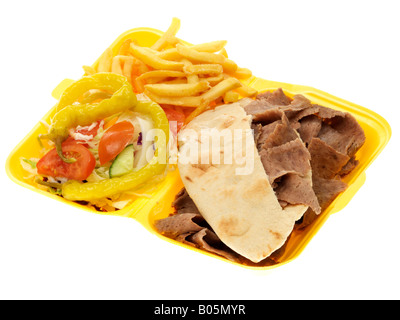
x: 158, y: 206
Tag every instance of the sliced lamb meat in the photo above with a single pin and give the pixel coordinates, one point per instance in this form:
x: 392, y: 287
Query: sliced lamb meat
x: 282, y: 152
x: 348, y: 167
x: 295, y: 116
x: 183, y: 237
x: 257, y: 128
x: 187, y: 228
x: 207, y: 240
x: 276, y: 97
x: 266, y: 131
x: 308, y: 217
x: 264, y: 114
x: 295, y: 189
x: 193, y: 230
x: 332, y: 137
x: 180, y: 224
x: 265, y: 108
x: 328, y: 113
x: 314, y: 109
x: 326, y: 162
x: 183, y: 203
x: 299, y: 103
x: 326, y: 191
x: 257, y: 107
x: 281, y: 134
x: 309, y: 128
x: 291, y: 157
x: 344, y: 134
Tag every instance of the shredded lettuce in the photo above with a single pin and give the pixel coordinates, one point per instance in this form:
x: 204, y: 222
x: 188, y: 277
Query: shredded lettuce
x: 99, y: 174
x: 29, y: 165
x: 30, y: 162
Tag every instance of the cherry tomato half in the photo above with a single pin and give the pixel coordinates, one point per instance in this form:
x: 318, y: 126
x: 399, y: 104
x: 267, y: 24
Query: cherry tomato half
x: 178, y: 117
x: 114, y: 140
x: 52, y: 165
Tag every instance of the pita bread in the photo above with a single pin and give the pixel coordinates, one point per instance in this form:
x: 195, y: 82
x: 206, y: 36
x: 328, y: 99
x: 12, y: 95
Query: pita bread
x: 242, y: 209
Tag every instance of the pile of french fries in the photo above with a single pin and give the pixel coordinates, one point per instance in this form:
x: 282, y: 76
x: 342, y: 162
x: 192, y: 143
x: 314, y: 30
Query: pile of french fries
x: 172, y: 73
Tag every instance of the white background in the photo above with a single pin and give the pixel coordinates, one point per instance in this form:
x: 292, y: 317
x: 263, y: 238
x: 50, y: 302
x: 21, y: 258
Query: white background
x: 52, y: 251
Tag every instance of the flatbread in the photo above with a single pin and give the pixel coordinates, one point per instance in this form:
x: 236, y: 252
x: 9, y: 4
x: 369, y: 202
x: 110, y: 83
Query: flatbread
x: 236, y: 199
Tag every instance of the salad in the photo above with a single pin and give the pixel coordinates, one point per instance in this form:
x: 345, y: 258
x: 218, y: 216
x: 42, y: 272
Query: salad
x: 103, y: 144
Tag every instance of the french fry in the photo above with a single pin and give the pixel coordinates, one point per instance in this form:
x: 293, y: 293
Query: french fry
x: 214, y: 93
x: 165, y: 80
x: 242, y: 73
x: 175, y: 101
x: 206, y: 57
x: 127, y: 69
x: 214, y: 80
x: 246, y: 91
x: 231, y: 96
x: 191, y: 78
x: 169, y: 54
x: 173, y: 41
x: 125, y: 46
x: 116, y: 65
x: 220, y: 89
x: 199, y: 57
x: 229, y: 66
x: 162, y: 74
x: 105, y: 61
x: 150, y: 50
x: 224, y: 53
x: 139, y: 67
x: 213, y: 46
x: 200, y: 109
x: 123, y: 65
x: 149, y: 58
x: 157, y: 80
x: 172, y: 31
x: 138, y: 85
x: 178, y: 90
x: 175, y: 81
x: 204, y: 69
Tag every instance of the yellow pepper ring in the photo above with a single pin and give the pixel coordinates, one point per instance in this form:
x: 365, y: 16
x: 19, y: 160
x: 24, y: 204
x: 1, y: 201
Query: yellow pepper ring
x: 69, y: 115
x: 103, y: 81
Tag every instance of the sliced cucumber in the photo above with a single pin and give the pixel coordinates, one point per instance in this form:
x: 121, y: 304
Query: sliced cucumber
x: 123, y: 163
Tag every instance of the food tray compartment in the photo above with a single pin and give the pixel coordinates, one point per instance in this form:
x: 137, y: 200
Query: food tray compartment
x: 377, y: 132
